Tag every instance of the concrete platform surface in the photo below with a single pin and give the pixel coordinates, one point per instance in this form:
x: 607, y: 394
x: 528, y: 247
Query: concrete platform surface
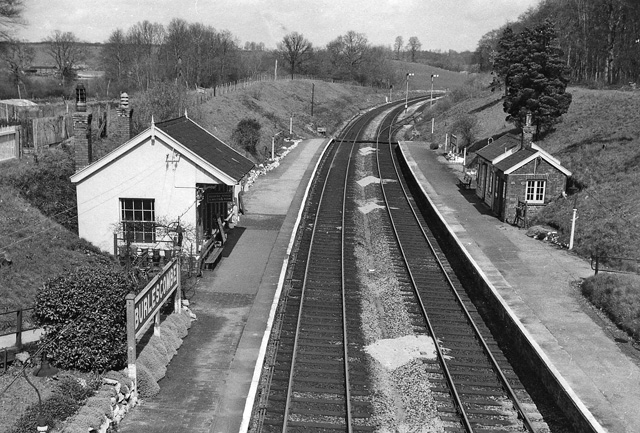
x: 536, y: 281
x: 209, y: 382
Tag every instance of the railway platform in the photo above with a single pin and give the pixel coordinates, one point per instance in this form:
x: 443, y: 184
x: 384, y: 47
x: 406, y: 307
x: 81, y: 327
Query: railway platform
x: 209, y: 381
x: 536, y: 282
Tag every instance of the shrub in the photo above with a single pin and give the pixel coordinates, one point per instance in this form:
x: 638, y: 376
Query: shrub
x: 152, y: 359
x: 88, y: 417
x: 69, y: 385
x: 84, y: 315
x: 55, y: 408
x: 101, y: 401
x: 247, y: 135
x: 147, y: 385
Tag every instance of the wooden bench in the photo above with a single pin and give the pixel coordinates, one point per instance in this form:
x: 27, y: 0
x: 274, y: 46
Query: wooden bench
x: 212, y: 249
x: 465, y: 182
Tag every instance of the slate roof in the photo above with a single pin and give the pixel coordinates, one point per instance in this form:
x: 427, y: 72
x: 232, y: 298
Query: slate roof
x: 498, y: 147
x: 207, y: 146
x: 515, y: 159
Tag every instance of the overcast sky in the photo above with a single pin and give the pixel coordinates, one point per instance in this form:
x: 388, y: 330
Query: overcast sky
x: 438, y: 24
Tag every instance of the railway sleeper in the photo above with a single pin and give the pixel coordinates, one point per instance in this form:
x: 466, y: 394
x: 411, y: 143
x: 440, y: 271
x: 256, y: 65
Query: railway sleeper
x: 337, y: 412
x: 477, y: 411
x: 327, y: 427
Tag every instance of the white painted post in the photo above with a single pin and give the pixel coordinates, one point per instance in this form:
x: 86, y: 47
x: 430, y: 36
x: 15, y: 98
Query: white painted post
x: 177, y: 307
x: 573, y: 228
x: 131, y: 339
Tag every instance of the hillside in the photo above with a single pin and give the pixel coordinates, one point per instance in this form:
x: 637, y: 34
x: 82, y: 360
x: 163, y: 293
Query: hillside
x: 599, y: 141
x: 40, y: 248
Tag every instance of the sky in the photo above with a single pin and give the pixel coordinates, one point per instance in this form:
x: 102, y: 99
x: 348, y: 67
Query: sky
x: 438, y: 24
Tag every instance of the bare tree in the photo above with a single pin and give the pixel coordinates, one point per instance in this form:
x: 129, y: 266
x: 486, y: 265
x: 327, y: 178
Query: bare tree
x: 17, y: 56
x: 115, y: 56
x: 10, y: 13
x: 66, y: 51
x: 144, y: 38
x: 413, y: 46
x: 295, y: 49
x: 397, y: 46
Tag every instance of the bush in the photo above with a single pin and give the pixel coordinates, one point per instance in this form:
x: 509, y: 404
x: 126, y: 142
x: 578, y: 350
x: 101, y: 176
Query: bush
x: 84, y: 316
x: 152, y: 359
x: 147, y: 385
x: 617, y: 295
x: 55, y: 408
x: 70, y: 386
x: 247, y: 135
x: 88, y: 417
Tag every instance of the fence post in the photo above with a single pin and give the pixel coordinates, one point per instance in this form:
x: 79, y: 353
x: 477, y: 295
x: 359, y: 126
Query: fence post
x: 19, y: 330
x: 597, y: 264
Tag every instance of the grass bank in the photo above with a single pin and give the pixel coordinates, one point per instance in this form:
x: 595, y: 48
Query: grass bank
x: 598, y: 140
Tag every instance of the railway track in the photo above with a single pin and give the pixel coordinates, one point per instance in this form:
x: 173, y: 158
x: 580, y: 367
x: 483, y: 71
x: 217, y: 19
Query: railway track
x: 319, y: 379
x: 317, y: 375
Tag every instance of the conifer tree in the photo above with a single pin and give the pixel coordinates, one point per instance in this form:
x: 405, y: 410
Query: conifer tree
x: 535, y: 75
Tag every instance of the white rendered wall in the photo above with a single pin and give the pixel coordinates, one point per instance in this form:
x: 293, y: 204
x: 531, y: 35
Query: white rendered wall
x: 141, y: 173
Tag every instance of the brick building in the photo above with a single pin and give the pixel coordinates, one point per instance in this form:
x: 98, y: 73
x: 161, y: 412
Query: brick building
x: 516, y: 173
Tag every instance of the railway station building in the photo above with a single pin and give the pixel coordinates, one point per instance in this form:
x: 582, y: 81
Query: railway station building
x: 516, y: 178
x: 173, y: 180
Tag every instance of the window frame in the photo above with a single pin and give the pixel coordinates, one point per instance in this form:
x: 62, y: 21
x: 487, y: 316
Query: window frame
x: 535, y: 191
x: 137, y: 216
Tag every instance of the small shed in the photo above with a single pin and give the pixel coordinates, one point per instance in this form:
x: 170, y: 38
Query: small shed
x: 174, y: 178
x: 515, y: 176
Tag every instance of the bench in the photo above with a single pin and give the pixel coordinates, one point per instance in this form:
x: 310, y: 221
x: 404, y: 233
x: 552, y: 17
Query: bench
x: 465, y: 182
x: 212, y: 249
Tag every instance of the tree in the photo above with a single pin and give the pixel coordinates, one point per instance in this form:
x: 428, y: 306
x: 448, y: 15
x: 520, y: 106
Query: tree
x: 504, y: 57
x: 466, y: 126
x: 10, y: 13
x: 413, y: 46
x: 66, y: 51
x: 115, y: 57
x: 247, y: 135
x: 348, y: 52
x: 295, y: 49
x: 163, y: 100
x: 397, y: 46
x: 17, y: 56
x: 537, y: 78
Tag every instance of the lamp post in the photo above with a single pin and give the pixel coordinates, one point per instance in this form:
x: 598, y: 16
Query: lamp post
x: 432, y: 77
x: 406, y: 98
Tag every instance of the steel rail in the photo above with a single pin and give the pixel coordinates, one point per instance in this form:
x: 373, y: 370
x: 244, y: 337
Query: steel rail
x: 441, y: 358
x: 508, y: 389
x: 348, y: 418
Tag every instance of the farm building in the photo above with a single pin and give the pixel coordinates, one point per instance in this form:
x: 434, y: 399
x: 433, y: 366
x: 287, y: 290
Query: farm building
x: 174, y: 179
x: 515, y: 176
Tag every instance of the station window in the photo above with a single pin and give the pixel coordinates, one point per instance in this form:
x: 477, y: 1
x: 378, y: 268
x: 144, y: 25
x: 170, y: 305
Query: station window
x: 138, y: 218
x: 535, y: 191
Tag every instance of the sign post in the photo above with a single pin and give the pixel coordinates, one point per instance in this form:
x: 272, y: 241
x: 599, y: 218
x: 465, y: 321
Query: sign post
x: 131, y: 340
x: 145, y: 307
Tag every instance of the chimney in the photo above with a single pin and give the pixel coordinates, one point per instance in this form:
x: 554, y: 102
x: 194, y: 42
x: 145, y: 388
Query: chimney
x: 527, y: 132
x: 81, y: 129
x: 123, y: 121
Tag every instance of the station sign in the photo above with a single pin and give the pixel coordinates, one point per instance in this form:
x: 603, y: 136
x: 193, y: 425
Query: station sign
x: 149, y: 301
x: 219, y: 197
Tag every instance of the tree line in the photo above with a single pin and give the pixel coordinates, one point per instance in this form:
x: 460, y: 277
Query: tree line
x: 600, y: 39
